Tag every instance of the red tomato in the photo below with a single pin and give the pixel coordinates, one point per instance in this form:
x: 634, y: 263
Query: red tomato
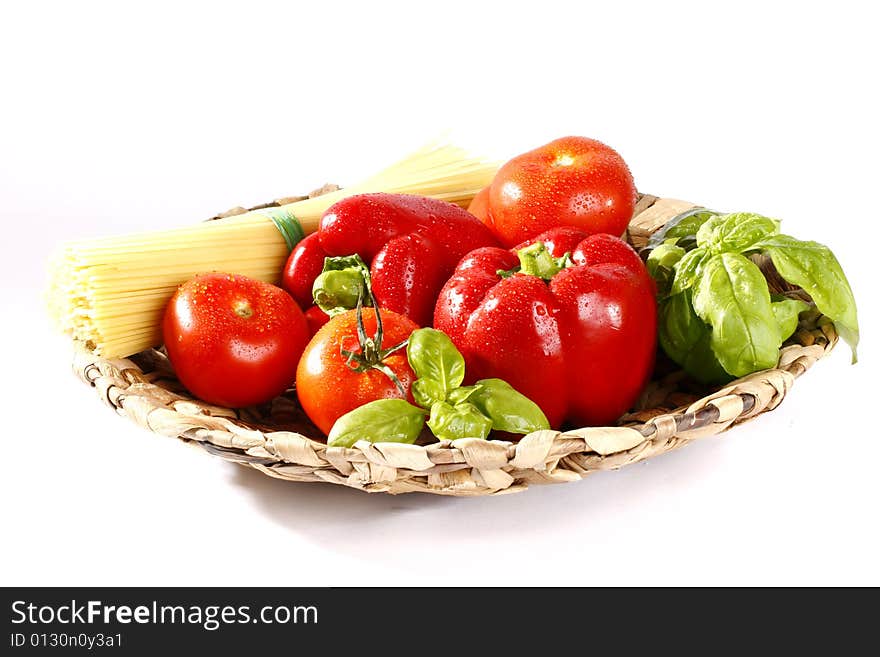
x: 479, y: 206
x: 234, y: 341
x: 329, y: 387
x: 573, y: 181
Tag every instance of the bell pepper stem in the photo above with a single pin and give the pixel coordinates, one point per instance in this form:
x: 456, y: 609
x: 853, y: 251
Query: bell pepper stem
x: 341, y: 284
x: 536, y: 260
x: 337, y: 291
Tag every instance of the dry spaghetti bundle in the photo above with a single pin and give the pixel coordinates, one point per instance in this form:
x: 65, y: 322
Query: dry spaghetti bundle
x: 109, y: 293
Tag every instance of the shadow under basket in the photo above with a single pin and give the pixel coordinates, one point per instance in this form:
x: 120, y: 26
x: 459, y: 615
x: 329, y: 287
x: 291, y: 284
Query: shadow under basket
x: 274, y: 438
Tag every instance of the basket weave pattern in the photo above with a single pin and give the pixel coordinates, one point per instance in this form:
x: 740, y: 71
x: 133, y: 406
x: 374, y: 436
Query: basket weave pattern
x: 273, y: 438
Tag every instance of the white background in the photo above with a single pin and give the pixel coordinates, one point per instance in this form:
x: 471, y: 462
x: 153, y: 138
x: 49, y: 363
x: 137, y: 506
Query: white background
x: 115, y: 119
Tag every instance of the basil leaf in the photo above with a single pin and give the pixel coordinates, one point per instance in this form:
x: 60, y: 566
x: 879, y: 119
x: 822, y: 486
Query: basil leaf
x: 786, y: 312
x: 664, y: 255
x: 661, y: 261
x: 427, y: 391
x: 379, y: 421
x: 735, y: 232
x: 684, y: 225
x: 733, y: 299
x: 508, y: 409
x: 679, y: 328
x: 688, y: 269
x: 449, y: 422
x: 460, y: 395
x: 432, y: 356
x: 686, y: 339
x: 813, y: 267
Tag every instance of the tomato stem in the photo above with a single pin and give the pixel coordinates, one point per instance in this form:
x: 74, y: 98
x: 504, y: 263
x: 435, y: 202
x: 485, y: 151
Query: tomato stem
x: 361, y: 331
x: 243, y: 309
x: 372, y: 355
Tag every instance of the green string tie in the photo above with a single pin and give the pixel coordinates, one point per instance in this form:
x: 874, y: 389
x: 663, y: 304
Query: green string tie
x: 286, y: 223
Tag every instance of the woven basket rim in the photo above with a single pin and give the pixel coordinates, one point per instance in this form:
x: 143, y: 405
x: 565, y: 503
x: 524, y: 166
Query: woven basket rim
x: 469, y: 466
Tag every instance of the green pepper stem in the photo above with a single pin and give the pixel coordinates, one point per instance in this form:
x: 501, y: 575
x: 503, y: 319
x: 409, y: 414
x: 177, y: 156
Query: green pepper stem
x: 536, y: 260
x: 343, y: 281
x: 336, y: 291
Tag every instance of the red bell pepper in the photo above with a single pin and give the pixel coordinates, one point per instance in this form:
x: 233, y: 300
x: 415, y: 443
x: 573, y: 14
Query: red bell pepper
x: 316, y: 318
x: 568, y: 320
x: 411, y: 244
x: 304, y: 265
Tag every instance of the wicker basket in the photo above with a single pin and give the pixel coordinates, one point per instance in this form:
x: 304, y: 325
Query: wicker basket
x: 274, y: 438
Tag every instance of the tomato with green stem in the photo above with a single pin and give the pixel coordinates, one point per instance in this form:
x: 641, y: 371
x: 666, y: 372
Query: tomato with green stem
x: 357, y: 357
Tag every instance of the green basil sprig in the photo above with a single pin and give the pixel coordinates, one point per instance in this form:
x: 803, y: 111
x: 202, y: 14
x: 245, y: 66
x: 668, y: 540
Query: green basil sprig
x: 465, y: 412
x: 437, y: 363
x: 449, y: 422
x: 454, y: 411
x: 716, y: 316
x: 385, y: 420
x: 686, y: 339
x: 813, y: 267
x: 786, y: 312
x: 734, y: 233
x: 509, y: 410
x: 732, y: 297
